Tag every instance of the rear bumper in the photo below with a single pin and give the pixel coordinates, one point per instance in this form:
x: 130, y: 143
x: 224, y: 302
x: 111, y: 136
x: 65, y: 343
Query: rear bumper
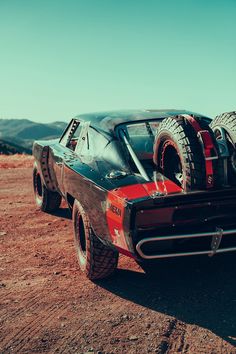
x: 215, y: 244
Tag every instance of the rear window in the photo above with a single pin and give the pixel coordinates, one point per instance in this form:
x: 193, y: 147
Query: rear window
x: 142, y: 129
x: 141, y: 136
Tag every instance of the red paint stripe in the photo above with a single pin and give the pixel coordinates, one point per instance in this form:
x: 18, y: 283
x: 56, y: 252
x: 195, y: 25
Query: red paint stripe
x: 116, y: 202
x: 125, y: 252
x: 136, y: 191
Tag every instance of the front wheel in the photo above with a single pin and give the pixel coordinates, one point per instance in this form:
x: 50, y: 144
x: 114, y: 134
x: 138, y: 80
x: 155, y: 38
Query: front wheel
x: 96, y: 260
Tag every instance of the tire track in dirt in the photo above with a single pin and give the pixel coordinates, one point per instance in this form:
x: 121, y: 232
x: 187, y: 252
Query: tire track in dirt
x: 68, y: 342
x: 62, y: 347
x: 23, y: 306
x: 84, y: 330
x: 3, y: 297
x: 15, y: 342
x: 35, y: 331
x: 78, y: 339
x: 74, y: 337
x: 30, y: 329
x: 177, y: 339
x: 166, y: 334
x: 173, y: 338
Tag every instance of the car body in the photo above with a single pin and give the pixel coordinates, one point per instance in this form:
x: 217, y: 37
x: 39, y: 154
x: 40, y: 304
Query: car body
x: 105, y: 161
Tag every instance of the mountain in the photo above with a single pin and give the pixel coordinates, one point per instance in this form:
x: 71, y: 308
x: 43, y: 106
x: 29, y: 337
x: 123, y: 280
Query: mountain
x: 8, y: 148
x: 22, y: 132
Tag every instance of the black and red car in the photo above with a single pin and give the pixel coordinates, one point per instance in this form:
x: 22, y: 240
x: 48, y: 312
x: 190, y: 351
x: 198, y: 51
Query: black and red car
x: 148, y: 184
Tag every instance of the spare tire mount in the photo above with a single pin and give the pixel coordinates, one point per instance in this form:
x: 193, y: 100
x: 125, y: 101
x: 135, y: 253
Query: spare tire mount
x: 209, y: 149
x: 185, y: 150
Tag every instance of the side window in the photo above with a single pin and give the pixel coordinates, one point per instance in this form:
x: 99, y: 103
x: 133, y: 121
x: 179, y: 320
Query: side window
x: 65, y: 137
x: 94, y: 144
x: 70, y: 137
x: 74, y: 137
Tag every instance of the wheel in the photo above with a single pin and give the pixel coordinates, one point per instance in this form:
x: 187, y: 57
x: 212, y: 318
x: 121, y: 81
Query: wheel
x: 45, y: 200
x: 96, y: 260
x: 178, y: 154
x: 227, y: 122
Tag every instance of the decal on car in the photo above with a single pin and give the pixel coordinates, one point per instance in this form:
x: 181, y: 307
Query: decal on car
x: 115, y: 216
x: 114, y: 209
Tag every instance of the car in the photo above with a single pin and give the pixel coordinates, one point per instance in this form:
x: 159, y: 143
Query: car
x: 149, y: 184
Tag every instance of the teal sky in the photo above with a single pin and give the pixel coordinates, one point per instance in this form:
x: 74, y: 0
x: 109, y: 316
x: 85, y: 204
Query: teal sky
x: 62, y: 58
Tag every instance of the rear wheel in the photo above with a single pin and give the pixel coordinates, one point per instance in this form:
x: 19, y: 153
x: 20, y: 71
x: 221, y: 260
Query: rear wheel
x: 178, y: 154
x: 45, y: 200
x: 96, y: 260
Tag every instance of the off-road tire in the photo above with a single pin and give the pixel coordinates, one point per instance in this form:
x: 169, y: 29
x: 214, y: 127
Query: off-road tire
x: 96, y: 260
x: 178, y: 136
x: 227, y: 121
x: 46, y: 200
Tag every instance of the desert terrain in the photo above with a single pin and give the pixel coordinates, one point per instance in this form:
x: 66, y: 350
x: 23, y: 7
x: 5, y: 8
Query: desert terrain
x: 48, y: 306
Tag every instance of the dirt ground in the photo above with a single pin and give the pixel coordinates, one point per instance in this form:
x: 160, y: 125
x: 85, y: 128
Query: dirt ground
x: 48, y: 306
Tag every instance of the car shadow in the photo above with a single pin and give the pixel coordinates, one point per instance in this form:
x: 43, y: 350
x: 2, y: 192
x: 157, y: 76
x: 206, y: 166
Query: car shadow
x: 195, y: 290
x: 62, y: 213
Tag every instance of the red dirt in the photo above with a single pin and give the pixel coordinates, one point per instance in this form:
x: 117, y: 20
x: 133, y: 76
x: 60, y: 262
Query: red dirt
x: 48, y: 306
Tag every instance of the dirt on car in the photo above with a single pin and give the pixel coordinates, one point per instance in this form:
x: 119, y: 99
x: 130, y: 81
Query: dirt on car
x: 48, y: 306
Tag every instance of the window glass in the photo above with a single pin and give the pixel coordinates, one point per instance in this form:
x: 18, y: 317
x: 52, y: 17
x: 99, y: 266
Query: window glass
x: 142, y: 135
x: 74, y: 136
x: 94, y: 144
x: 77, y: 132
x: 66, y: 134
x: 142, y: 129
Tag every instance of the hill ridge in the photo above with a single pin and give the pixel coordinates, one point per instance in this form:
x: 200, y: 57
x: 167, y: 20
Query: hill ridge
x: 19, y: 134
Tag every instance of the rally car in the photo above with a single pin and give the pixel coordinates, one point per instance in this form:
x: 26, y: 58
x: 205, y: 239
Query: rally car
x: 149, y: 184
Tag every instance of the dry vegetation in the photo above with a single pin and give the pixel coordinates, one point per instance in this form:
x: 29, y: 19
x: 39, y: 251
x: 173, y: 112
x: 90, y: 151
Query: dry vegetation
x: 15, y: 161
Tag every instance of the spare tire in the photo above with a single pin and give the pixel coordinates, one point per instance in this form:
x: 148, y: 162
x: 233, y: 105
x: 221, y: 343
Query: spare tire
x: 178, y: 153
x: 227, y: 122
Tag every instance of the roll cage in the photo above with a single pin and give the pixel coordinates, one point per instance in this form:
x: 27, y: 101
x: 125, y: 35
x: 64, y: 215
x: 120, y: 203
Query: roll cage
x: 138, y: 139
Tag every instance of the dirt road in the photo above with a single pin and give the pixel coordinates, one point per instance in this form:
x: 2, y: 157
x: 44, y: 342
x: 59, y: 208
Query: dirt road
x: 48, y: 306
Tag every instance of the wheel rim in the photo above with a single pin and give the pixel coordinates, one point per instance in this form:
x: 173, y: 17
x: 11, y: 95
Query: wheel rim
x: 170, y: 162
x: 38, y: 188
x: 80, y: 235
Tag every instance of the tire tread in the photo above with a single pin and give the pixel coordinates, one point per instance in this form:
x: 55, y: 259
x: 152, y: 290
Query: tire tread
x: 183, y: 134
x: 101, y: 260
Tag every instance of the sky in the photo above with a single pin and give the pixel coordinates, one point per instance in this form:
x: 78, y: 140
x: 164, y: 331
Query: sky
x: 60, y: 58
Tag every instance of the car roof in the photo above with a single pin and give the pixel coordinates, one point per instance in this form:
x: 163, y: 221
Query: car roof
x: 108, y: 121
